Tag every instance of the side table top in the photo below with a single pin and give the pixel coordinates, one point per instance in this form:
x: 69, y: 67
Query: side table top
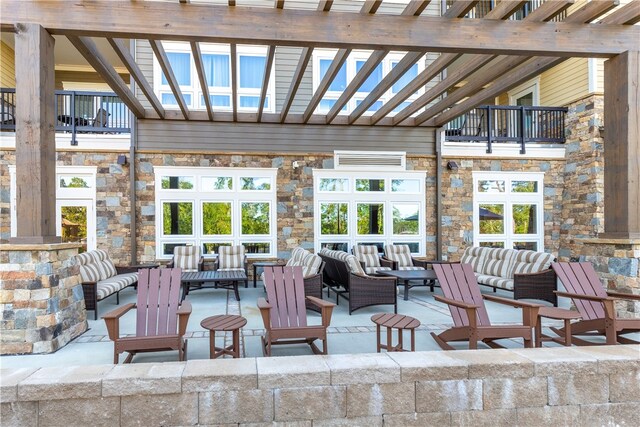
x: 223, y: 322
x: 398, y: 321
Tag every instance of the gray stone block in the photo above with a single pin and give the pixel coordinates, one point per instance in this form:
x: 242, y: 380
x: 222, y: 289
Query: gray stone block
x: 235, y: 406
x: 310, y: 403
x: 19, y: 414
x: 95, y: 412
x: 160, y: 410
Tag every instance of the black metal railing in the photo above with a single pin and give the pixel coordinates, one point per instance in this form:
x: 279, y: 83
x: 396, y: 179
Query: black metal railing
x: 75, y: 112
x: 483, y: 7
x: 509, y: 124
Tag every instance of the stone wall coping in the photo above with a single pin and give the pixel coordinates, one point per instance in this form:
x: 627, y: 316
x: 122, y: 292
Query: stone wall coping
x: 39, y: 247
x: 295, y: 372
x: 605, y: 241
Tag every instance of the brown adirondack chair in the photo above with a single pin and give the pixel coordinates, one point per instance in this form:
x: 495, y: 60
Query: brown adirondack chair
x: 285, y: 315
x: 161, y: 320
x: 595, y: 305
x: 470, y: 318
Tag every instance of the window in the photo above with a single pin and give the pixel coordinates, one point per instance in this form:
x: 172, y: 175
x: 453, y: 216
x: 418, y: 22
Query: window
x: 369, y: 208
x: 508, y: 210
x: 216, y: 62
x: 323, y: 59
x: 212, y: 207
x: 75, y: 204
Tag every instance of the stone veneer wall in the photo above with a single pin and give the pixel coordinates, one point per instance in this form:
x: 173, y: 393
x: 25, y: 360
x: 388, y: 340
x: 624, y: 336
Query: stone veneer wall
x: 40, y: 297
x: 457, y: 199
x: 583, y: 193
x: 527, y: 387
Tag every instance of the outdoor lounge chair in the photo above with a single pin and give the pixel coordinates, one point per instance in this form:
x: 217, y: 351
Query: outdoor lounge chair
x: 187, y: 258
x: 285, y: 316
x: 161, y: 320
x: 231, y: 258
x: 470, y: 318
x: 595, y: 305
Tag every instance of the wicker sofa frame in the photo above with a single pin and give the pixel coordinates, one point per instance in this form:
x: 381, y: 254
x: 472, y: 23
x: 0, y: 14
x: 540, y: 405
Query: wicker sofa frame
x: 359, y: 291
x: 90, y: 291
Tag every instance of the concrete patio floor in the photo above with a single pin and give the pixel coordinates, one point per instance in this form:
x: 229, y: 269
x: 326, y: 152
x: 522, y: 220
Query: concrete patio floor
x: 347, y: 334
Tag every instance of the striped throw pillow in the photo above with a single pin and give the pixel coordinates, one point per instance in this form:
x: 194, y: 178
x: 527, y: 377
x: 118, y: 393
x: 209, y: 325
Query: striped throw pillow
x: 367, y: 254
x: 231, y: 257
x: 400, y: 254
x: 186, y: 257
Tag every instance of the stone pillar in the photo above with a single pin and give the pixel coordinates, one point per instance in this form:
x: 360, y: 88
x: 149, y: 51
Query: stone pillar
x: 40, y: 297
x: 617, y: 262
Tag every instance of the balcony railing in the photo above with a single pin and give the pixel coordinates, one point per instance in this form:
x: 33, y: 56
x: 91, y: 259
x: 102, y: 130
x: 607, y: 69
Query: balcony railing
x: 509, y: 124
x: 483, y: 7
x: 75, y: 112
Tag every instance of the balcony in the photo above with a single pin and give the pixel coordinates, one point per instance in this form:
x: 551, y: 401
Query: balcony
x: 100, y: 113
x: 496, y: 124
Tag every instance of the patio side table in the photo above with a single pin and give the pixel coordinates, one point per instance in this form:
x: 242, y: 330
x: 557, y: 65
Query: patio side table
x: 558, y: 314
x: 395, y: 321
x: 224, y: 323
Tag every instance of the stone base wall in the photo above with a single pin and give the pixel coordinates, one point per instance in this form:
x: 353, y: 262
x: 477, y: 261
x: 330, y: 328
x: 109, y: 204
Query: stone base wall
x: 525, y: 387
x: 40, y: 297
x: 618, y: 265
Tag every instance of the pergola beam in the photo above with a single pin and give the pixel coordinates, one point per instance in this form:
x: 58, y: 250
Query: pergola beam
x: 135, y: 72
x: 202, y: 77
x: 628, y: 14
x: 289, y: 27
x: 265, y: 81
x: 90, y: 52
x: 163, y: 60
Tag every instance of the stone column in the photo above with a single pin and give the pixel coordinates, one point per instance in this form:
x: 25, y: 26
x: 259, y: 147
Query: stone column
x: 40, y: 297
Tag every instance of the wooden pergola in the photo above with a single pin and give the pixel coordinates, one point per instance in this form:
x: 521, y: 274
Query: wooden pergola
x: 501, y: 54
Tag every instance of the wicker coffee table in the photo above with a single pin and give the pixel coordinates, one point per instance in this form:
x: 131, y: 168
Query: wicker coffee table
x: 395, y: 321
x: 225, y: 323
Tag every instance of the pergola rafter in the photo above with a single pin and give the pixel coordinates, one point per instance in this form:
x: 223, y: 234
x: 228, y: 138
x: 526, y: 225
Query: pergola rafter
x: 271, y: 52
x: 163, y: 60
x: 202, y: 77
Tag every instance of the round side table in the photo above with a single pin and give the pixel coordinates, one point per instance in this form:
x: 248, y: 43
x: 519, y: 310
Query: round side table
x: 395, y: 321
x: 224, y: 323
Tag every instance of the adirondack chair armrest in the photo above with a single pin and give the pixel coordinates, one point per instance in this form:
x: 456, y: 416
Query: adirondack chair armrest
x: 112, y: 320
x: 183, y: 312
x: 263, y: 304
x: 585, y: 297
x: 621, y: 295
x: 265, y: 312
x: 529, y: 310
x: 455, y: 303
x: 326, y: 308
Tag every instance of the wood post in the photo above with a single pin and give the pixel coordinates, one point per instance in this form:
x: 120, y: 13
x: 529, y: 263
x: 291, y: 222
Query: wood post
x: 622, y: 146
x: 35, y: 136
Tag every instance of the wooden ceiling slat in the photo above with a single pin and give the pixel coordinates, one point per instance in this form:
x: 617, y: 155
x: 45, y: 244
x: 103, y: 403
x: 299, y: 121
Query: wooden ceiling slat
x: 234, y: 81
x: 163, y: 60
x: 265, y: 81
x: 135, y: 72
x: 413, y: 8
x: 628, y: 14
x: 90, y: 52
x: 202, y: 77
x: 527, y: 69
x: 289, y: 27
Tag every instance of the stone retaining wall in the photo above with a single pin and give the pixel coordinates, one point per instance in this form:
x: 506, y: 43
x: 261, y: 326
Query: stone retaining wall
x: 527, y: 387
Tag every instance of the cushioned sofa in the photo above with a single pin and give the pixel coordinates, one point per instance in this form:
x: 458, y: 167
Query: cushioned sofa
x: 344, y: 275
x: 101, y: 278
x: 526, y: 273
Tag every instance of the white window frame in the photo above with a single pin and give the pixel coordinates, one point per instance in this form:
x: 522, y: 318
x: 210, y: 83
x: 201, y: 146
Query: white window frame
x: 387, y: 198
x: 508, y: 199
x: 199, y: 195
x: 86, y: 196
x: 195, y: 90
x: 360, y: 55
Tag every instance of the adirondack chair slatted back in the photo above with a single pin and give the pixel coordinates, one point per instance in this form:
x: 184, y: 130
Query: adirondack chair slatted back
x: 458, y: 282
x: 285, y: 292
x: 158, y: 299
x: 580, y: 278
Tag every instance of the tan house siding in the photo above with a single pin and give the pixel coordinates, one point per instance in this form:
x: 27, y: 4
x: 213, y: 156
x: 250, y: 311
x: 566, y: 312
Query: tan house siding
x: 7, y: 66
x: 565, y: 83
x: 144, y: 59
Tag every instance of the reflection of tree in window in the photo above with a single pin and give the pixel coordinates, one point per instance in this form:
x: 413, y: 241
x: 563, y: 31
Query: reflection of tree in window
x: 370, y: 218
x: 524, y: 219
x: 255, y: 218
x: 369, y: 185
x: 216, y: 218
x: 177, y: 218
x: 491, y: 219
x: 405, y: 222
x: 524, y: 186
x: 334, y: 218
x: 332, y: 184
x: 256, y: 184
x: 74, y: 225
x: 218, y: 183
x: 75, y: 182
x: 177, y: 183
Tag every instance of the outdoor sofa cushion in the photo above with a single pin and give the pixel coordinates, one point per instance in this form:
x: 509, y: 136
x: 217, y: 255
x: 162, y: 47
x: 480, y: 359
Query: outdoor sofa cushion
x: 186, y: 257
x: 401, y: 255
x: 309, y: 262
x: 351, y: 260
x: 368, y: 254
x: 96, y: 266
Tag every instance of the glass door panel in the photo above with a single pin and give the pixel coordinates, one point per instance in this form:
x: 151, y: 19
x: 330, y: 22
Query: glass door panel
x: 75, y: 222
